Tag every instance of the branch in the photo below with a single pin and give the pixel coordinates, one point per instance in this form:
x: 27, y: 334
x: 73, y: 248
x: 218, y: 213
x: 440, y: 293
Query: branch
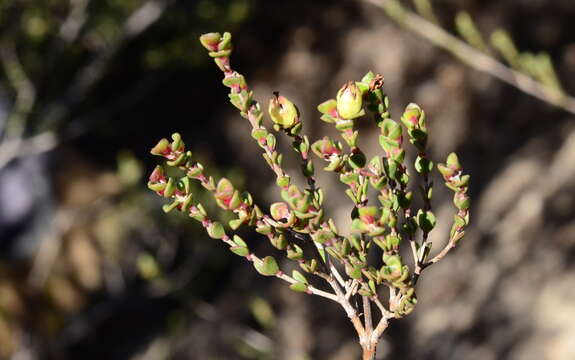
x: 75, y: 21
x: 23, y: 103
x: 311, y: 289
x: 450, y: 245
x: 349, y: 309
x: 138, y: 22
x: 473, y: 57
x: 367, y: 314
x: 13, y: 145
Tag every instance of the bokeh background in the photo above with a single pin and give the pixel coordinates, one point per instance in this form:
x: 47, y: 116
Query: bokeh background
x: 91, y: 268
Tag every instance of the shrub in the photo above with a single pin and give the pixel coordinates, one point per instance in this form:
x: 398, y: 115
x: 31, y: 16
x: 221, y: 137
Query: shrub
x: 292, y: 225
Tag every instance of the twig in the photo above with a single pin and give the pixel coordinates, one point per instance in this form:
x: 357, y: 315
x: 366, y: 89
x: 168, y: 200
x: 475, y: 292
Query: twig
x: 473, y: 57
x: 448, y: 247
x: 138, y: 22
x: 350, y: 311
x: 13, y: 144
x: 352, y: 289
x: 338, y: 277
x: 384, y: 312
x: 76, y: 19
x: 23, y: 103
x: 313, y: 290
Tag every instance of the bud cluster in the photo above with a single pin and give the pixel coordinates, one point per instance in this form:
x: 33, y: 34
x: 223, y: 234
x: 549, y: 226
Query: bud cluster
x: 343, y: 262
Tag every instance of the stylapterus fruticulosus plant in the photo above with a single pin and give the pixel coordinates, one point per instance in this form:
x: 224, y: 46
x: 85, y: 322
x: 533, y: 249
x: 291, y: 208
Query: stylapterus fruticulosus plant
x: 331, y: 265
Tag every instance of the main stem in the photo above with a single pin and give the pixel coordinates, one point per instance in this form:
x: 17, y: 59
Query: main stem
x: 367, y: 344
x: 369, y: 338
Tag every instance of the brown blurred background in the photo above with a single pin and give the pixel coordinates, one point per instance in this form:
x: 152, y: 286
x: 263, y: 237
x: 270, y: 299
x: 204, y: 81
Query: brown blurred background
x: 90, y: 267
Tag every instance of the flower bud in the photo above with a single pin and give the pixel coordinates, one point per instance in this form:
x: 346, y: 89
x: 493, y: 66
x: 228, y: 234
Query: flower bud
x: 413, y: 117
x: 326, y: 147
x: 283, y: 112
x: 349, y: 101
x: 453, y: 162
x: 210, y: 41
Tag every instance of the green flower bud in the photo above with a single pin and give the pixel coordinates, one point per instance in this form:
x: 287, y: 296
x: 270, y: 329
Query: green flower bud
x: 453, y: 162
x: 283, y: 112
x: 413, y: 117
x: 349, y: 101
x: 210, y: 41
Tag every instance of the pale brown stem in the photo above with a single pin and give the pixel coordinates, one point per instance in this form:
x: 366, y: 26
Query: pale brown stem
x: 369, y: 351
x: 473, y: 57
x: 367, y: 342
x: 367, y: 314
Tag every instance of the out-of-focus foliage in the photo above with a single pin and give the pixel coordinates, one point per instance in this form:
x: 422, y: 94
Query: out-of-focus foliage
x: 80, y: 246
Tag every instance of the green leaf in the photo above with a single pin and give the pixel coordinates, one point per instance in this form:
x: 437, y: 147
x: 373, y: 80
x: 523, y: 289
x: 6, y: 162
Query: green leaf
x: 349, y: 192
x: 453, y: 161
x: 235, y: 223
x: 459, y: 221
x: 279, y: 210
x: 268, y: 266
x: 393, y: 261
x: 367, y: 77
x: 239, y: 241
x: 387, y: 144
x: 378, y: 182
x: 357, y: 160
x: 353, y: 272
x: 299, y: 287
x: 279, y: 242
x: 294, y: 252
x: 463, y: 181
x: 271, y: 141
x: 392, y: 241
x: 328, y: 118
x: 259, y: 134
x: 187, y: 203
x: 426, y: 220
x: 445, y: 171
x: 170, y: 188
x: 371, y: 211
x: 423, y: 165
x: 264, y: 229
x: 240, y: 250
x: 365, y: 290
x: 156, y: 186
x: 161, y: 147
x: 169, y: 207
x: 461, y: 201
x: 335, y: 163
x: 299, y: 276
x: 358, y: 226
x: 178, y: 161
x: 327, y: 106
x: 177, y: 143
x: 283, y: 181
x: 210, y: 40
x: 216, y: 230
x: 372, y: 286
x: 356, y: 241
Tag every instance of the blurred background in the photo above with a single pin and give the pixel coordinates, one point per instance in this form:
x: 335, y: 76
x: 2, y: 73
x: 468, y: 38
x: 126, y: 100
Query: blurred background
x: 91, y: 268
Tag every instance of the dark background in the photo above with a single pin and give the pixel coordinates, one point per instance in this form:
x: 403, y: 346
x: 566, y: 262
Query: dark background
x: 91, y: 268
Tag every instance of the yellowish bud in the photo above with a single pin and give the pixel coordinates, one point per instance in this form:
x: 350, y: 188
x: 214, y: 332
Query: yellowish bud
x: 283, y: 112
x: 349, y: 101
